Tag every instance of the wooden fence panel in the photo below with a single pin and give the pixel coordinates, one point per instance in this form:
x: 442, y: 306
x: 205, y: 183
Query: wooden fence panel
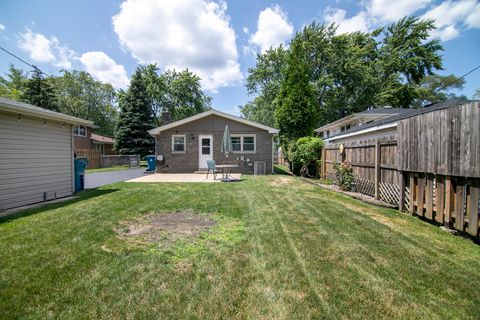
x: 443, y: 142
x: 454, y: 204
x: 93, y: 157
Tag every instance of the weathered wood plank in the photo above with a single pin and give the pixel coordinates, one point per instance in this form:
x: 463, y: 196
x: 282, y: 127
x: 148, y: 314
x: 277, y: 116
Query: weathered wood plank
x: 377, y: 169
x: 443, y: 142
x: 401, y: 200
x: 472, y: 206
x: 420, y: 194
x: 459, y: 204
x: 412, y: 196
x: 449, y: 201
x: 429, y: 197
x: 440, y: 199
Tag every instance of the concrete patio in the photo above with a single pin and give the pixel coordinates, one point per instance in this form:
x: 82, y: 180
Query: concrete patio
x: 182, y: 177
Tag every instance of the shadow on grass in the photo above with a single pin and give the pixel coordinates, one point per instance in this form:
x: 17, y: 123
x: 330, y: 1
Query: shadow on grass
x: 279, y: 169
x: 79, y: 196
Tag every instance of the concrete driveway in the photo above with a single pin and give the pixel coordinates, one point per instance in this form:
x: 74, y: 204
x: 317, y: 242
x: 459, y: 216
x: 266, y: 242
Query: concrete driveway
x: 95, y: 180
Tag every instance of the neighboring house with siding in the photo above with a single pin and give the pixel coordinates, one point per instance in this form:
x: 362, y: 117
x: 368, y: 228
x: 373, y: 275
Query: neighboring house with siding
x: 86, y: 139
x: 36, y: 154
x: 385, y: 128
x: 356, y: 120
x: 186, y: 145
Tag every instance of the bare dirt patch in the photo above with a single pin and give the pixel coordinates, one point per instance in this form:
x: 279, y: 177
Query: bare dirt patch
x: 166, y: 227
x: 280, y: 181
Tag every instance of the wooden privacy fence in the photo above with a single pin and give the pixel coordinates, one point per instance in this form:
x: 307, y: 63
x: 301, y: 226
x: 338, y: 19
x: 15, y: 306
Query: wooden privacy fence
x: 97, y: 160
x: 108, y: 161
x: 429, y: 167
x: 93, y: 157
x: 453, y: 201
x: 373, y: 164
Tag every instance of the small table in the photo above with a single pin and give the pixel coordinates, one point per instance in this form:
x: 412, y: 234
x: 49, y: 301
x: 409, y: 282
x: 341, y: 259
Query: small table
x: 225, y: 173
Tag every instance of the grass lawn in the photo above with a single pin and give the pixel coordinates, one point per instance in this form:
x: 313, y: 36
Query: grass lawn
x: 281, y: 249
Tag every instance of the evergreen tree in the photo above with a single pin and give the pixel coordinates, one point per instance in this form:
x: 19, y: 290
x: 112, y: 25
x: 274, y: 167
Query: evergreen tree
x: 39, y: 92
x: 131, y: 135
x: 296, y: 112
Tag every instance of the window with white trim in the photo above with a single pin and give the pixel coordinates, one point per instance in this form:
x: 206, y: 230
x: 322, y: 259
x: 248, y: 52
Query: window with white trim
x: 178, y: 143
x: 80, y: 130
x: 243, y: 143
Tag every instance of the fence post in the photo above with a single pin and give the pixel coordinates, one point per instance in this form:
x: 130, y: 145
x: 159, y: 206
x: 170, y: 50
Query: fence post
x: 324, y: 163
x: 401, y: 200
x: 449, y: 200
x: 377, y: 169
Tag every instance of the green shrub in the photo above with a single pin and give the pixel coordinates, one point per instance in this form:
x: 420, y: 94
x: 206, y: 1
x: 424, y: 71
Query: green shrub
x: 344, y: 175
x: 303, y: 153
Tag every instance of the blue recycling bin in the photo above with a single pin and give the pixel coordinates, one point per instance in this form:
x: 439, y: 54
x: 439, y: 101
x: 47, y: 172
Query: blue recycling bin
x: 151, y: 163
x: 80, y: 166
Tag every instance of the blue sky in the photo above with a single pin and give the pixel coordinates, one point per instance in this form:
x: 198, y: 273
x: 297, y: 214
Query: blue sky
x: 217, y: 40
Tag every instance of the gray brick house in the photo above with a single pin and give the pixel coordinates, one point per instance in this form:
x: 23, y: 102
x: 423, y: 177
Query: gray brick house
x: 185, y: 146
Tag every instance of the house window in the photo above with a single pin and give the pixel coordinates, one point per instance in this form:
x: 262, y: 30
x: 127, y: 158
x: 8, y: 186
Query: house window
x: 243, y: 143
x: 237, y: 143
x: 99, y: 147
x: 79, y: 130
x: 178, y: 143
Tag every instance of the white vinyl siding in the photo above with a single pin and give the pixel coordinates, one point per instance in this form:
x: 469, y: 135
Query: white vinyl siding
x: 34, y: 159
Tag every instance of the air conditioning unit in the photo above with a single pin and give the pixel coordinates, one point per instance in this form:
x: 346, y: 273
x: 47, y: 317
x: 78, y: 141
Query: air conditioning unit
x: 259, y: 168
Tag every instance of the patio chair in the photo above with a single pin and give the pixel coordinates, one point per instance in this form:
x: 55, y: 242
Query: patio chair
x: 211, y: 167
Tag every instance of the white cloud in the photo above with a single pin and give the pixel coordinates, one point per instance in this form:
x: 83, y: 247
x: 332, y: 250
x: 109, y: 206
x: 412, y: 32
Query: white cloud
x: 2, y: 27
x: 104, y: 68
x: 194, y: 34
x: 273, y: 28
x: 245, y: 30
x: 393, y: 10
x: 446, y: 33
x: 473, y: 19
x: 449, y: 14
x: 358, y: 22
x: 37, y: 46
x: 451, y: 17
x: 42, y: 49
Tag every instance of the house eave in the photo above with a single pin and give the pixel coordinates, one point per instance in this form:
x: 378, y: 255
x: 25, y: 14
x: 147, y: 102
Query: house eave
x: 360, y: 132
x: 29, y: 110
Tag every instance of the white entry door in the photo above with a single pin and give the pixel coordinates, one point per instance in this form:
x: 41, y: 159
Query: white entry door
x: 205, y: 150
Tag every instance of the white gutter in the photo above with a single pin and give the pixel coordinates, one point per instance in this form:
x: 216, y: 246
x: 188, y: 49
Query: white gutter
x: 26, y: 109
x: 356, y: 133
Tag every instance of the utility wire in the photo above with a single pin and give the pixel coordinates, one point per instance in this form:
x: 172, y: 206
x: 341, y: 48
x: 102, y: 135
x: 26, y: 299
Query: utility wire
x: 457, y: 79
x: 28, y: 64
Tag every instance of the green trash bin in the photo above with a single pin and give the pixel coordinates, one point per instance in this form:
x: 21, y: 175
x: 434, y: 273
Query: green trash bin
x: 80, y: 166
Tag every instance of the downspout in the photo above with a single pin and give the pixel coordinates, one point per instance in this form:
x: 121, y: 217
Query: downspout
x: 273, y: 152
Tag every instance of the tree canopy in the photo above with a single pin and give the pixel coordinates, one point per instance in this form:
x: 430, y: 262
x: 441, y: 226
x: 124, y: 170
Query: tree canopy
x: 135, y: 119
x: 79, y: 95
x: 436, y: 88
x: 347, y: 72
x: 39, y: 91
x: 179, y: 93
x: 75, y: 93
x: 295, y: 112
